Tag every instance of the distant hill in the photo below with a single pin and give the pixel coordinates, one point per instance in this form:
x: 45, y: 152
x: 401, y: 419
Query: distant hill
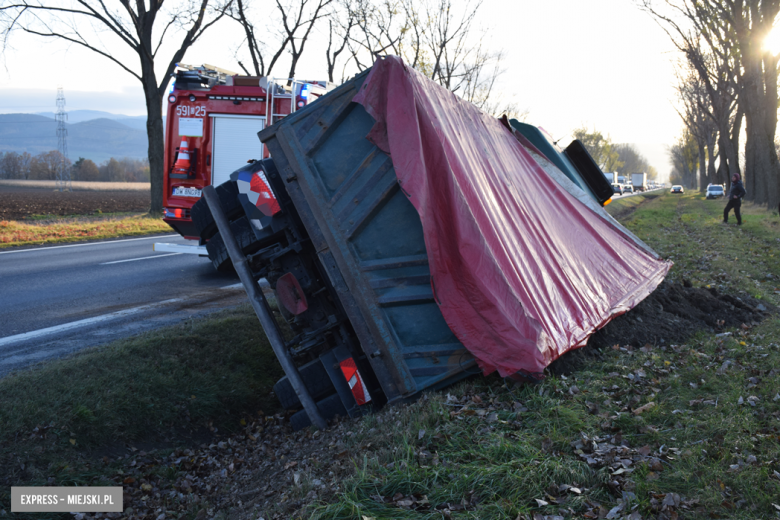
x: 139, y: 123
x: 79, y: 116
x: 97, y: 139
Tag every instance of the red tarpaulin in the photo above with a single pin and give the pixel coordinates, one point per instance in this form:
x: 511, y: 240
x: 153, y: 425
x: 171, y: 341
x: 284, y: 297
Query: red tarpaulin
x: 522, y: 270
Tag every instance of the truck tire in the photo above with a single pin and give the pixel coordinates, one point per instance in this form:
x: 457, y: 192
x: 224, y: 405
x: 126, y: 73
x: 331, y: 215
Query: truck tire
x: 329, y: 407
x: 316, y: 379
x: 231, y: 206
x: 247, y: 241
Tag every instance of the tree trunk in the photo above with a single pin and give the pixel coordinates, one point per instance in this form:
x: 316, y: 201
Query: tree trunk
x: 156, y: 137
x: 736, y: 129
x: 293, y: 66
x: 728, y: 152
x: 753, y: 173
x: 711, y: 173
x: 702, y: 166
x: 749, y: 101
x: 761, y: 162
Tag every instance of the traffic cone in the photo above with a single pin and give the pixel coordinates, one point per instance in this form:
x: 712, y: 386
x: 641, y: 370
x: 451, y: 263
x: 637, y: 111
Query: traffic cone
x: 182, y: 164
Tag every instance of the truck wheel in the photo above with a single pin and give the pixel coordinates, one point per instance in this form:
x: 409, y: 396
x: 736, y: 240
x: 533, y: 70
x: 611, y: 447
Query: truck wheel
x: 247, y: 241
x: 231, y: 206
x: 329, y: 407
x: 316, y: 379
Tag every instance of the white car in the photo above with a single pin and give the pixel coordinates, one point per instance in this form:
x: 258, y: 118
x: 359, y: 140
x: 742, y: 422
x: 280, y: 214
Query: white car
x: 715, y: 191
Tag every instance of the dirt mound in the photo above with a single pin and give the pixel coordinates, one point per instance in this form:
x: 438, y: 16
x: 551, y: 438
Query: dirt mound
x: 670, y: 315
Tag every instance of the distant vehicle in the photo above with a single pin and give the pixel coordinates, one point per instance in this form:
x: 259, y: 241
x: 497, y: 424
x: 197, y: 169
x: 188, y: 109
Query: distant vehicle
x: 677, y: 189
x: 639, y: 181
x: 617, y: 188
x: 627, y: 188
x: 715, y: 191
x: 612, y: 177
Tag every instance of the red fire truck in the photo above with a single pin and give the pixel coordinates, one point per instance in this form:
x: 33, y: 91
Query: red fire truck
x: 214, y: 116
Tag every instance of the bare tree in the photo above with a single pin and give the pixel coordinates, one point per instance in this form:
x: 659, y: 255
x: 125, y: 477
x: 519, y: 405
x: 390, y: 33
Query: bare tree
x: 340, y: 24
x: 752, y: 20
x: 144, y: 27
x: 632, y: 161
x: 437, y: 38
x: 45, y: 165
x: 684, y: 159
x: 707, y: 42
x: 696, y: 116
x: 380, y: 26
x: 292, y: 24
x: 15, y: 165
x: 734, y: 31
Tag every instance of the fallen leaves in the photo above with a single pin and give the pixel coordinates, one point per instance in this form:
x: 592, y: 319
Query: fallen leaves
x: 643, y: 409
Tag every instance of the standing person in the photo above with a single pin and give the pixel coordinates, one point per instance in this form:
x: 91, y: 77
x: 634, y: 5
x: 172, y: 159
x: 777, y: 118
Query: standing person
x: 736, y: 193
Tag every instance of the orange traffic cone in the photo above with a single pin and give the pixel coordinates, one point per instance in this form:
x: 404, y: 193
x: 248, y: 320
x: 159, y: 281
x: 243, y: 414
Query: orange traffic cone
x: 182, y: 164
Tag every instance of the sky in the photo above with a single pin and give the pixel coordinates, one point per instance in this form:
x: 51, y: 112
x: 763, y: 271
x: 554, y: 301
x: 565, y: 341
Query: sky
x: 603, y: 64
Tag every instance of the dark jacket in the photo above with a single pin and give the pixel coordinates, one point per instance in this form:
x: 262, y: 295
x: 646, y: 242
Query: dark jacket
x: 737, y: 190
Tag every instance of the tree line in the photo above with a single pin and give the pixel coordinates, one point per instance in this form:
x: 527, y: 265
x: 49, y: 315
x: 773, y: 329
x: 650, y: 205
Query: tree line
x: 439, y: 38
x: 45, y: 165
x: 611, y: 157
x: 727, y: 82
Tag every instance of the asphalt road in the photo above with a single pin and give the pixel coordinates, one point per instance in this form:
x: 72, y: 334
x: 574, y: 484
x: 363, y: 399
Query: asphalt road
x: 58, y: 299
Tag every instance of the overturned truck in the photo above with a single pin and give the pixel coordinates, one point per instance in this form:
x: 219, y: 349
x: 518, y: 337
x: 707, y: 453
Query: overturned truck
x: 413, y: 240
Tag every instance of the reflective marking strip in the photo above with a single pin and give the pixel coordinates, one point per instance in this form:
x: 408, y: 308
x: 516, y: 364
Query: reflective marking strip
x: 82, y: 245
x: 81, y: 323
x: 355, y: 382
x: 136, y: 259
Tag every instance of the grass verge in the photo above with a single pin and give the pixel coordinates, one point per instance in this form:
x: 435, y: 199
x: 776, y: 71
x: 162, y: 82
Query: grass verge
x: 158, y: 388
x: 14, y: 233
x: 624, y: 206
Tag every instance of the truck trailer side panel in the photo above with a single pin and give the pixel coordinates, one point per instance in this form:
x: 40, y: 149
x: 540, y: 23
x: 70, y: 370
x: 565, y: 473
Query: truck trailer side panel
x: 369, y: 238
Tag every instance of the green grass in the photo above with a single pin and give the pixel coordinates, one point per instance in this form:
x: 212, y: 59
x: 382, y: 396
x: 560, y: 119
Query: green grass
x: 688, y: 230
x: 160, y: 387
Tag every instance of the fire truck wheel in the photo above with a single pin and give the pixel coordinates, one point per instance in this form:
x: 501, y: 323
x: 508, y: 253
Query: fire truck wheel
x: 329, y: 407
x: 316, y: 379
x: 231, y: 206
x: 247, y: 241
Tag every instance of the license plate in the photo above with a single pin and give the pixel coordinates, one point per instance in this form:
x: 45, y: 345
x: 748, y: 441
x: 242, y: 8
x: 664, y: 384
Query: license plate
x: 181, y: 191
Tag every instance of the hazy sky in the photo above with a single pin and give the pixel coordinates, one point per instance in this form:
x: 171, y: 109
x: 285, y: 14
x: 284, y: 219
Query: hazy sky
x: 600, y: 63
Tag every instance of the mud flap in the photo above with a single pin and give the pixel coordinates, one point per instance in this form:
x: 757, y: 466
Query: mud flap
x: 335, y: 361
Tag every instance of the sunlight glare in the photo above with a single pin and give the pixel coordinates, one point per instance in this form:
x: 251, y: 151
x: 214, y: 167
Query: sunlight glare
x: 772, y: 41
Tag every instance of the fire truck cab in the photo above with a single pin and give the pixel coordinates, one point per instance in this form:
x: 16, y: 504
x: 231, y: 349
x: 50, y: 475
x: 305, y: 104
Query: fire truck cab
x: 213, y: 119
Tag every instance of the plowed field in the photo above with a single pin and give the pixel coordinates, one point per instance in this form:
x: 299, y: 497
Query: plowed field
x: 22, y: 203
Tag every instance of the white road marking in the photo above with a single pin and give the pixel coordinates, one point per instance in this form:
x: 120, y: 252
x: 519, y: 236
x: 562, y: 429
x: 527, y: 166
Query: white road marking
x: 81, y: 245
x: 136, y: 259
x: 81, y: 323
x: 234, y: 286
